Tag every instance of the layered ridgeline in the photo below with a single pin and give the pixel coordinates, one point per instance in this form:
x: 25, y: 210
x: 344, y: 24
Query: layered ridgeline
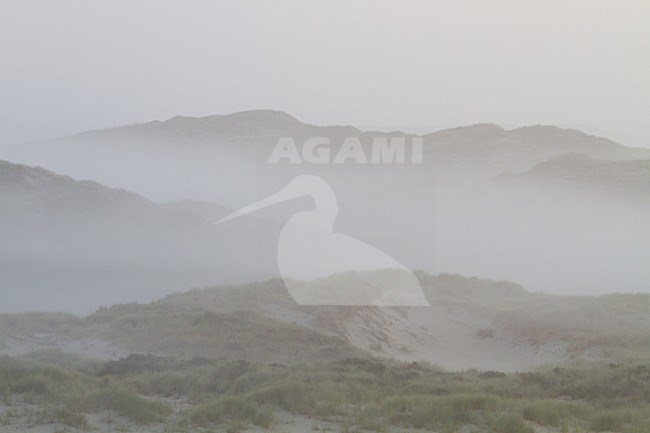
x: 555, y: 209
x: 73, y: 245
x: 192, y: 158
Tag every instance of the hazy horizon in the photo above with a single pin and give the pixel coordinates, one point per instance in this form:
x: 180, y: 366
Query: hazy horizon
x: 75, y: 66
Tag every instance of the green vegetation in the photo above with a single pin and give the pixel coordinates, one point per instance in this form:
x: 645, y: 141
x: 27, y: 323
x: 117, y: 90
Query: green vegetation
x: 361, y: 394
x: 242, y: 322
x: 186, y: 331
x: 65, y: 395
x: 618, y: 324
x: 207, y: 381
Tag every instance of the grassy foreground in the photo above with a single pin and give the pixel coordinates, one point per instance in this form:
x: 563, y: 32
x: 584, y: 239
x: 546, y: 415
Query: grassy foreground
x: 357, y: 394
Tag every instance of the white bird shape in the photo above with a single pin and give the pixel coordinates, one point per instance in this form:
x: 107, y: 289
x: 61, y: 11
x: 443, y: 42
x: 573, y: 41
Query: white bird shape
x: 322, y: 267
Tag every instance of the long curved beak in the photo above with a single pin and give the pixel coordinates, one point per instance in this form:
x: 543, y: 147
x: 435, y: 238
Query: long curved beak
x: 281, y: 196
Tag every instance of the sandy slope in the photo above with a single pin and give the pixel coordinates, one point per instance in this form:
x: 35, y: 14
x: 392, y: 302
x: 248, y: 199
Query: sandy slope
x: 448, y: 338
x: 95, y: 348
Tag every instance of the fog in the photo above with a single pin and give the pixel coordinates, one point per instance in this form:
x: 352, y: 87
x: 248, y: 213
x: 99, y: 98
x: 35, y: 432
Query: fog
x: 555, y: 209
x: 74, y: 65
x: 520, y: 205
x: 352, y: 215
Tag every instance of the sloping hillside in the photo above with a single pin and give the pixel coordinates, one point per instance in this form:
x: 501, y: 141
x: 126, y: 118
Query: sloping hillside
x: 72, y: 245
x: 471, y: 323
x: 478, y: 152
x: 575, y: 173
x: 249, y: 357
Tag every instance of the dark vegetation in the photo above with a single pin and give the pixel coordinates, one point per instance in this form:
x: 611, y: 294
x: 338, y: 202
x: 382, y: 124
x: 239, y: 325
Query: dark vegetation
x: 186, y: 332
x: 359, y: 394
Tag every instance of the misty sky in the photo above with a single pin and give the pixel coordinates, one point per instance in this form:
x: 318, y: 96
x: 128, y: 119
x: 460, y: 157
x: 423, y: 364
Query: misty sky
x: 68, y: 66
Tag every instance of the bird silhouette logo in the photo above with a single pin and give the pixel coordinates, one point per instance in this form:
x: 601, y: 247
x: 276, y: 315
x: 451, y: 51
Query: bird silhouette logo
x: 322, y: 267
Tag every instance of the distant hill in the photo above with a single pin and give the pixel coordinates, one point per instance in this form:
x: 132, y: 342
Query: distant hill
x: 479, y: 152
x: 190, y: 158
x: 632, y: 140
x: 245, y: 126
x: 68, y: 244
x: 577, y: 169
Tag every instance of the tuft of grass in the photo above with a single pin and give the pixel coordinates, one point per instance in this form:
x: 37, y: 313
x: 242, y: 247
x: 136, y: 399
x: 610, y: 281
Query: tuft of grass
x: 237, y: 409
x: 555, y: 412
x: 359, y: 394
x: 130, y: 404
x: 62, y: 415
x: 610, y: 420
x: 265, y: 417
x: 509, y: 423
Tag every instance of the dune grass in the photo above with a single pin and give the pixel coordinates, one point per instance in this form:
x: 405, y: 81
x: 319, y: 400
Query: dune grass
x: 231, y: 322
x: 363, y: 394
x: 322, y: 377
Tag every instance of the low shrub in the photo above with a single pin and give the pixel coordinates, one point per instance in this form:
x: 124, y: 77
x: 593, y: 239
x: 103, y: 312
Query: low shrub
x: 510, y: 423
x: 128, y: 403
